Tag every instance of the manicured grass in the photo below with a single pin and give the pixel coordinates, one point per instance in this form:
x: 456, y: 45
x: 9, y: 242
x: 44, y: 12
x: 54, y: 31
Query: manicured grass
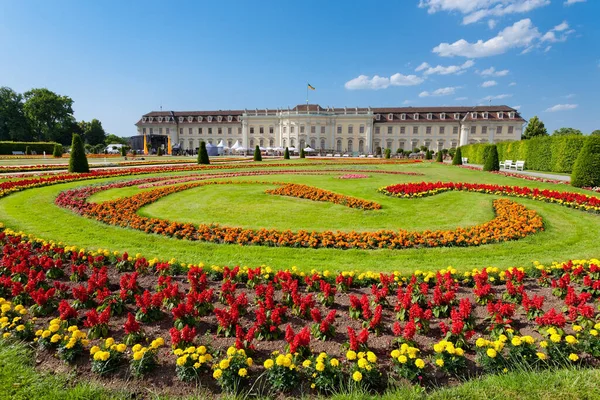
x: 570, y: 234
x: 20, y: 380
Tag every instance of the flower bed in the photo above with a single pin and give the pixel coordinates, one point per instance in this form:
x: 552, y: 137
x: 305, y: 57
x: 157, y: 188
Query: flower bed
x: 118, y: 316
x: 311, y: 193
x: 353, y: 176
x: 568, y: 199
x: 513, y: 221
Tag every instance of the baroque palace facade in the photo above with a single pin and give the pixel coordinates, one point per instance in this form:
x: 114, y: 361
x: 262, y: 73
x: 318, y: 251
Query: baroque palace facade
x: 342, y: 130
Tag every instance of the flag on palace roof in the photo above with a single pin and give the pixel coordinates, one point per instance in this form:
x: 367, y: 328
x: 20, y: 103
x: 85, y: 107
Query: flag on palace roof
x: 311, y: 87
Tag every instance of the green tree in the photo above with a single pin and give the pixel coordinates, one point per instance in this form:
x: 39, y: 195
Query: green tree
x: 257, y: 155
x: 586, y: 170
x: 387, y: 153
x: 439, y: 157
x: 203, y: 154
x: 94, y: 133
x: 78, y: 161
x: 302, y: 154
x: 596, y: 132
x: 567, y: 131
x: 58, y: 151
x: 534, y: 128
x: 428, y: 155
x: 27, y: 151
x: 50, y: 115
x: 286, y: 154
x: 457, y: 159
x: 114, y: 139
x: 13, y: 122
x: 491, y: 161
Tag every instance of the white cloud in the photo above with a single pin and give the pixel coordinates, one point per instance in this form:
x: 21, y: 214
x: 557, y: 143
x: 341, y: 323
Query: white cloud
x: 440, y: 92
x: 521, y: 34
x: 570, y: 96
x: 487, y: 84
x: 516, y: 107
x: 562, y: 107
x: 380, y: 82
x: 512, y: 84
x: 497, y: 97
x: 571, y: 2
x: 561, y: 27
x: 547, y: 49
x: 476, y: 10
x: 492, y: 23
x: 449, y: 70
x: 551, y: 36
x: 461, y: 98
x: 492, y: 72
x: 406, y: 102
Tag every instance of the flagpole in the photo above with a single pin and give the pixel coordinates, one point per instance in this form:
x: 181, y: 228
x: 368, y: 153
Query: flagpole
x: 306, y: 93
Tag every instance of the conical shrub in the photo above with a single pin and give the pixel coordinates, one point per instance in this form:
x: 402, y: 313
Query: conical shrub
x: 57, y: 151
x: 457, y: 160
x: 491, y: 162
x: 286, y: 155
x: 586, y: 170
x: 78, y: 161
x: 257, y: 155
x: 203, y: 154
x: 302, y: 155
x: 439, y: 157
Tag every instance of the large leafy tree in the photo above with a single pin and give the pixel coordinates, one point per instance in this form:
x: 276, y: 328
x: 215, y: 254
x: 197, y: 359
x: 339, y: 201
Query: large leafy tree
x: 596, y: 132
x: 534, y: 128
x: 567, y: 131
x: 114, y: 139
x: 13, y: 122
x: 94, y: 133
x: 50, y: 115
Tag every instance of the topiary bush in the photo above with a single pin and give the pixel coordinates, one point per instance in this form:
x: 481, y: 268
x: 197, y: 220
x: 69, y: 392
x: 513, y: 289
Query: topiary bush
x: 457, y: 159
x: 491, y: 160
x: 388, y: 153
x: 57, y: 152
x: 257, y: 155
x: 286, y: 154
x: 203, y: 154
x: 378, y: 151
x: 124, y: 151
x: 78, y: 161
x: 428, y: 155
x: 586, y: 171
x: 302, y: 155
x: 439, y: 157
x: 27, y: 151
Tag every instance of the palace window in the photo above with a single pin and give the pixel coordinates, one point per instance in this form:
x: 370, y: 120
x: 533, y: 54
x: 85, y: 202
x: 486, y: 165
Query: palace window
x: 313, y: 143
x: 350, y: 129
x: 219, y: 118
x: 229, y: 118
x: 251, y: 142
x: 361, y: 129
x: 209, y: 118
x: 390, y: 130
x: 428, y: 130
x: 144, y: 119
x: 499, y: 130
x: 301, y: 128
x: 361, y: 146
x: 199, y: 131
x: 313, y: 129
x: 229, y: 130
x: 239, y: 131
x: 484, y: 130
x: 377, y: 117
x: 403, y: 117
x: 151, y: 131
x: 160, y: 131
x: 160, y: 119
x: 510, y: 130
x: 430, y: 116
x: 511, y: 115
x: 322, y: 144
x: 442, y: 130
x: 443, y: 116
x: 181, y: 120
x: 190, y: 119
x: 474, y: 115
x: 292, y: 141
x: 455, y: 130
x: 415, y: 130
x: 229, y: 143
x: 339, y: 129
x: 252, y: 130
x: 261, y: 142
x: 199, y: 119
x: 416, y: 116
x: 322, y: 130
x: 339, y: 145
x: 402, y: 130
x: 473, y: 130
x: 261, y: 130
x: 210, y: 131
x: 190, y: 130
x: 271, y: 130
x: 377, y: 130
x: 181, y: 131
x: 219, y: 130
x: 144, y: 130
x: 291, y: 130
x: 456, y: 116
x: 390, y: 117
x: 285, y: 129
x: 389, y: 144
x: 271, y: 142
x: 500, y: 115
x: 485, y: 115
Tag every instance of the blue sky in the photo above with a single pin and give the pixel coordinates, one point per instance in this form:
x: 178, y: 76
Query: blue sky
x: 121, y: 59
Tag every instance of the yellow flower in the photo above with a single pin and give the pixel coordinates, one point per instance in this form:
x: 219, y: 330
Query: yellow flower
x: 137, y: 356
x: 334, y: 362
x: 121, y: 347
x: 402, y: 359
x: 491, y: 353
x: 528, y: 339
x: 231, y: 351
x: 201, y: 350
x: 109, y: 342
x: 94, y: 350
x: 320, y: 367
x: 573, y: 357
x: 268, y: 364
x: 371, y: 357
x: 54, y: 328
x: 305, y: 364
x: 438, y: 347
x: 249, y: 361
x: 20, y: 328
x: 242, y: 372
x: 395, y: 353
x: 516, y: 341
x: 543, y: 344
x: 357, y: 376
x: 224, y: 364
x: 55, y: 338
x: 570, y: 339
x: 541, y: 356
x: 459, y: 352
x: 158, y: 342
x: 177, y: 352
x: 217, y: 374
x: 439, y: 362
x: 593, y: 332
x: 351, y: 355
x: 362, y: 363
x: 102, y: 356
x: 555, y: 338
x: 419, y: 363
x: 138, y: 346
x: 577, y: 328
x: 182, y: 360
x: 481, y: 342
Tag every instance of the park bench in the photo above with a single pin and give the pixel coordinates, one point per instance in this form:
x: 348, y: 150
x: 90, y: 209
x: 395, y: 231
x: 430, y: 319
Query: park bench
x: 18, y: 153
x: 337, y: 155
x: 370, y: 156
x: 506, y: 164
x: 465, y: 160
x: 518, y: 166
x: 329, y: 155
x: 362, y: 156
x: 346, y: 155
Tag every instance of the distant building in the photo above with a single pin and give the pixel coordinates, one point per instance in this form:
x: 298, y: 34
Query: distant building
x: 347, y: 130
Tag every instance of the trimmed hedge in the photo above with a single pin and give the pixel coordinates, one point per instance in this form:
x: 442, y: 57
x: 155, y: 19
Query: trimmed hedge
x: 6, y: 148
x: 586, y: 172
x: 542, y: 153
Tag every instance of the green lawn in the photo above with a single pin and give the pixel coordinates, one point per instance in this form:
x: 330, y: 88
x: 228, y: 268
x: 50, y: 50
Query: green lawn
x: 19, y: 380
x: 570, y: 234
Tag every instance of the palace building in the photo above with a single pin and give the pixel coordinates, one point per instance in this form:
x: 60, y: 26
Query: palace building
x: 352, y: 130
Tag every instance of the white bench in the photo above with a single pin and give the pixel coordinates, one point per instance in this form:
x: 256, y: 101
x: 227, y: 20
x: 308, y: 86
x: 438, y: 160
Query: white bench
x: 346, y: 155
x: 337, y: 155
x: 329, y: 155
x: 506, y: 164
x: 362, y: 156
x: 518, y: 166
x: 465, y: 160
x: 370, y: 156
x: 18, y: 153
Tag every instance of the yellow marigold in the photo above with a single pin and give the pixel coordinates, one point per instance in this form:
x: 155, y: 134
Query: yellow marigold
x: 138, y: 347
x: 54, y: 328
x: 371, y: 357
x: 305, y: 364
x: 555, y: 338
x: 55, y: 338
x: 459, y: 352
x: 439, y: 362
x: 158, y: 342
x: 201, y: 349
x: 541, y: 356
x: 320, y: 367
x: 109, y: 342
x: 94, y: 350
x: 182, y: 360
x: 593, y: 332
x: 438, y: 347
x: 231, y: 351
x: 481, y: 342
x: 516, y: 341
x: 395, y: 353
x: 242, y: 372
x: 178, y: 352
x: 528, y: 339
x: 20, y: 328
x: 249, y: 361
x: 597, y: 326
x: 357, y: 376
x: 502, y: 338
x: 571, y: 339
x: 224, y: 364
x: 217, y: 374
x: 334, y: 362
x: 102, y: 356
x: 577, y: 328
x: 491, y: 353
x: 268, y: 364
x: 121, y: 347
x: 419, y: 363
x: 351, y: 355
x: 573, y: 357
x: 362, y: 362
x: 402, y: 359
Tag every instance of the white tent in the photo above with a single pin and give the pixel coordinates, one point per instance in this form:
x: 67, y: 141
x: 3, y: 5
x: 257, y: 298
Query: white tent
x: 236, y: 145
x: 309, y: 149
x: 261, y: 148
x: 291, y: 148
x: 221, y: 144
